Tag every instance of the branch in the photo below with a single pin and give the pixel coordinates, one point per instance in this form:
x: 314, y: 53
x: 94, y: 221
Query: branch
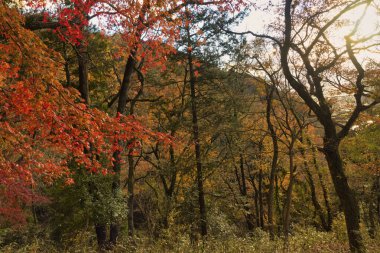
x: 359, y: 89
x: 263, y: 36
x: 38, y: 25
x: 301, y: 89
x: 349, y: 7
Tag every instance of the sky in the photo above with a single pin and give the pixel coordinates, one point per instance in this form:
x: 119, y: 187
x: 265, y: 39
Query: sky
x: 258, y: 19
x: 256, y: 22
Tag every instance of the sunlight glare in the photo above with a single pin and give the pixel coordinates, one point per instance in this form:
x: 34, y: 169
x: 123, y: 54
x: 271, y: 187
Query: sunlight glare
x: 370, y: 23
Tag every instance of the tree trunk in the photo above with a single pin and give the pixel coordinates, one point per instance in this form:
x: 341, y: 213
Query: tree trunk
x: 289, y: 191
x: 121, y: 108
x: 67, y: 66
x: 371, y: 219
x: 278, y: 202
x: 169, y: 190
x: 261, y: 199
x: 248, y: 214
x: 131, y: 194
x: 114, y: 227
x: 100, y: 228
x: 324, y: 188
x: 314, y: 198
x: 83, y: 62
x: 274, y: 161
x: 197, y: 147
x: 377, y: 196
x: 101, y: 236
x: 256, y: 200
x: 345, y: 194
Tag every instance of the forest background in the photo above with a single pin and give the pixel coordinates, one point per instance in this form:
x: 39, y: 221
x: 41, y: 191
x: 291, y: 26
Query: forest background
x: 178, y: 126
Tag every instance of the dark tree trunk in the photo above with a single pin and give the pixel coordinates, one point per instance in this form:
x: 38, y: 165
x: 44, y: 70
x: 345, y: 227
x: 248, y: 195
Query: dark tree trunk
x: 314, y: 198
x: 273, y: 170
x: 256, y: 200
x: 197, y: 147
x: 371, y: 219
x: 261, y: 203
x: 83, y: 62
x: 66, y: 66
x: 124, y: 89
x: 68, y: 76
x: 165, y: 219
x: 121, y: 108
x: 324, y: 188
x: 243, y: 190
x: 249, y: 218
x: 313, y: 193
x: 131, y: 194
x: 101, y: 236
x: 289, y: 191
x: 376, y: 190
x: 114, y: 233
x: 278, y: 202
x: 344, y: 192
x: 114, y: 227
x: 169, y: 190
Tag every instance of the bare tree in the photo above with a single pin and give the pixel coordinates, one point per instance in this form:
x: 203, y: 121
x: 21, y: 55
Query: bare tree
x: 305, y: 35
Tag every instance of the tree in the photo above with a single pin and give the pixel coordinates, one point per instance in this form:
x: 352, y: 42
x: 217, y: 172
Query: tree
x: 198, y: 29
x: 306, y: 37
x: 44, y: 125
x: 139, y: 25
x: 361, y: 148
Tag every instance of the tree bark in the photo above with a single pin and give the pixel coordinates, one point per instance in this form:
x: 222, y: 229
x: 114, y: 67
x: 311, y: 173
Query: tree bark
x: 83, y: 62
x: 289, y: 191
x: 324, y: 188
x: 101, y: 236
x: 261, y: 203
x: 197, y: 147
x: 131, y: 194
x: 376, y: 189
x: 243, y: 190
x: 115, y: 227
x: 121, y: 109
x: 169, y: 189
x: 273, y: 170
x: 345, y: 194
x: 314, y: 199
x: 66, y: 66
x: 371, y: 219
x: 256, y: 201
x: 277, y: 196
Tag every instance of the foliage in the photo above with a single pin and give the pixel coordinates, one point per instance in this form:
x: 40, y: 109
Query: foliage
x: 43, y: 125
x: 74, y: 168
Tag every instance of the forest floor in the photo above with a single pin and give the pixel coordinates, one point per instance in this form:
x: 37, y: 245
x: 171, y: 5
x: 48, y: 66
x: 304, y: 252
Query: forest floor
x: 303, y: 240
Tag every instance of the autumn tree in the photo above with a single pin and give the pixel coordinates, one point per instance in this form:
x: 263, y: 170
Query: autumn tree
x: 45, y: 122
x: 307, y: 36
